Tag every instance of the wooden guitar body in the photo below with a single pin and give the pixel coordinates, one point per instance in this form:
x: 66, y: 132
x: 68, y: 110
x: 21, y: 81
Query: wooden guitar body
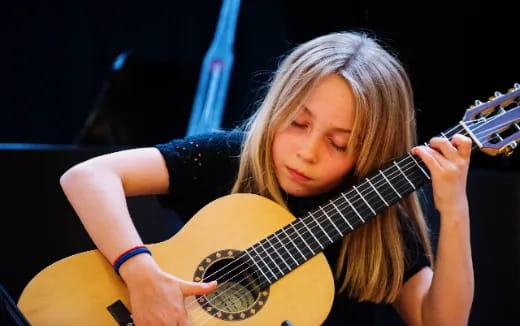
x: 77, y: 290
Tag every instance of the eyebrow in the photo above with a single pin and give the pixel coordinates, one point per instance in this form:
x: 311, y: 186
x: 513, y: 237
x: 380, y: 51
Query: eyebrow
x: 348, y: 131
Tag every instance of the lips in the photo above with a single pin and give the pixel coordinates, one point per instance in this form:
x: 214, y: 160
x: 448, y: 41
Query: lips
x: 297, y: 175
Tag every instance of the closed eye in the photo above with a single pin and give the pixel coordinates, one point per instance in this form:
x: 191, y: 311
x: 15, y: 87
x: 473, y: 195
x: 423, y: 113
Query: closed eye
x: 298, y: 125
x: 338, y: 147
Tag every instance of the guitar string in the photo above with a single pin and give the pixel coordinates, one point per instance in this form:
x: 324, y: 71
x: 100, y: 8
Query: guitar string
x: 357, y: 200
x: 267, y: 252
x: 253, y: 287
x: 329, y: 211
x: 486, y: 131
x: 325, y: 225
x: 270, y: 254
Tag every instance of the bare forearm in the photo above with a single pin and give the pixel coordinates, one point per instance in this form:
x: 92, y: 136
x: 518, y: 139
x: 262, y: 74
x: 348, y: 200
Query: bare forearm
x: 99, y: 200
x: 448, y: 302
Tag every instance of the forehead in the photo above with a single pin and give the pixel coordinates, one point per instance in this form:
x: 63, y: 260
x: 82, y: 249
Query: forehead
x: 331, y: 101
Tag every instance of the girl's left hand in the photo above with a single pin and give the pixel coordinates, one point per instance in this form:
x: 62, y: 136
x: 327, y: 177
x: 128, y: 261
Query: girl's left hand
x: 448, y: 163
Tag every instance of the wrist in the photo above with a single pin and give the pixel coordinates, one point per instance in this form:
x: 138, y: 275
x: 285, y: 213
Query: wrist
x: 455, y: 210
x: 138, y: 267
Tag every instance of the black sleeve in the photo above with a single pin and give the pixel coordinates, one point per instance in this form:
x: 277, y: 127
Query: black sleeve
x: 201, y: 168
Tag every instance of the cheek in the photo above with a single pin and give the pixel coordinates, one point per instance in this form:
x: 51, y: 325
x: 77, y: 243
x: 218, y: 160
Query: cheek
x: 280, y: 146
x: 276, y: 150
x: 337, y: 170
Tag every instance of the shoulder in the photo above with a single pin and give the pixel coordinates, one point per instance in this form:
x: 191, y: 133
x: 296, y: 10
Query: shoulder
x: 201, y: 168
x: 199, y: 155
x: 218, y: 143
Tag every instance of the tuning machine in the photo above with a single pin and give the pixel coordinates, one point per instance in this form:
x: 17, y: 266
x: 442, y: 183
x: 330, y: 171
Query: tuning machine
x: 509, y: 148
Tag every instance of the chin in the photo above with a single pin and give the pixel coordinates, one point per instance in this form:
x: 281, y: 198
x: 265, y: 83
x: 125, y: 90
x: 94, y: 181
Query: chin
x: 300, y: 191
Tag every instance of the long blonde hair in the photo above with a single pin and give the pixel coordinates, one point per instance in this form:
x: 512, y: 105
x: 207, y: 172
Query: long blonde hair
x: 371, y: 262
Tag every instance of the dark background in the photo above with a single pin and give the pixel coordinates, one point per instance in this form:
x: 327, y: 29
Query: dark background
x: 57, y: 57
x: 56, y: 72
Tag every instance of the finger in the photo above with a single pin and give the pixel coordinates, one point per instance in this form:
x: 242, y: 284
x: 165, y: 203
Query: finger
x: 193, y: 288
x: 429, y: 156
x: 463, y: 144
x: 444, y: 146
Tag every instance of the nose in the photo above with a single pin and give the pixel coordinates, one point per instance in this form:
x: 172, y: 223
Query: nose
x: 308, y: 149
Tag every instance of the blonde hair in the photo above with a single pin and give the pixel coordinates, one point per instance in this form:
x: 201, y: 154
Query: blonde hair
x: 371, y: 262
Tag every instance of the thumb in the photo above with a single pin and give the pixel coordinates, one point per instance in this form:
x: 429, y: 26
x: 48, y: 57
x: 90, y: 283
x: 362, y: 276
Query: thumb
x: 193, y: 288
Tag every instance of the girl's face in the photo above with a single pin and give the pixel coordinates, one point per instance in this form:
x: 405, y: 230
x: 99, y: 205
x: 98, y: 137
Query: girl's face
x: 310, y: 154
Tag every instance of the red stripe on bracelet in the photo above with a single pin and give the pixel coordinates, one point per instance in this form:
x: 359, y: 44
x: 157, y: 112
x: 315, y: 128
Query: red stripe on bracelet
x: 125, y: 252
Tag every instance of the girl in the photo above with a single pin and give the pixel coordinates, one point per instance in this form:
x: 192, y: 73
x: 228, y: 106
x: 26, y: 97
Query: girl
x: 338, y: 108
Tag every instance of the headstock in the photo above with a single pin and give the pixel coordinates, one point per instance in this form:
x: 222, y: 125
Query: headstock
x: 494, y: 125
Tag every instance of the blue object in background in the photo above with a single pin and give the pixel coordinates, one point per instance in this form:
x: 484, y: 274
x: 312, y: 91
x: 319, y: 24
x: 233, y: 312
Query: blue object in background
x: 210, y: 98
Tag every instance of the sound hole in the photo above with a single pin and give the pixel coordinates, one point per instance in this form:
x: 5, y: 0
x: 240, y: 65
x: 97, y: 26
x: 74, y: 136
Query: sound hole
x: 238, y: 287
x: 238, y: 295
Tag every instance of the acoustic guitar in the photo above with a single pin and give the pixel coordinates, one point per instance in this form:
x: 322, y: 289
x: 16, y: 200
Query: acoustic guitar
x: 269, y: 265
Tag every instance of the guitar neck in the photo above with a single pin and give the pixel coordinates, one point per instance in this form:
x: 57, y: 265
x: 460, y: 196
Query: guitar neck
x: 295, y: 243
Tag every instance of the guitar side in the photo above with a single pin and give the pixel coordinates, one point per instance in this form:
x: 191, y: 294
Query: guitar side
x: 76, y: 290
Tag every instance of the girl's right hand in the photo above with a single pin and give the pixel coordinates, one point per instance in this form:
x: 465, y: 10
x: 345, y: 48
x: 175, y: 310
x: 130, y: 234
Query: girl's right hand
x: 157, y: 298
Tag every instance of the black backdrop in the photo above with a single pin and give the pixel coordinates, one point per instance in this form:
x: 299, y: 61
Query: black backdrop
x: 56, y: 70
x: 57, y: 55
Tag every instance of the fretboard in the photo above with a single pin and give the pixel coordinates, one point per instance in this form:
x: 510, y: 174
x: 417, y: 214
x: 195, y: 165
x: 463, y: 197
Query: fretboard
x: 295, y: 243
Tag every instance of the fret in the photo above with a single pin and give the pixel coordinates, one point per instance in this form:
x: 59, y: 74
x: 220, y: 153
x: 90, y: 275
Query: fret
x: 287, y: 250
x: 331, y: 222
x: 295, y: 246
x: 258, y: 267
x: 402, y: 185
x: 317, y: 223
x: 278, y: 253
x: 270, y: 256
x: 311, y: 233
x: 303, y: 238
x: 416, y: 176
x: 381, y: 190
x: 263, y: 261
x: 363, y: 198
x: 305, y: 242
x: 399, y: 168
x: 353, y: 208
x: 418, y: 165
x: 390, y: 184
x: 341, y: 214
x: 377, y: 192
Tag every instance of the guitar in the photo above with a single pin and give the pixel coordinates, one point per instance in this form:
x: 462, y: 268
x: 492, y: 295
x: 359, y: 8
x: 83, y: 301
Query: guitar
x: 268, y: 263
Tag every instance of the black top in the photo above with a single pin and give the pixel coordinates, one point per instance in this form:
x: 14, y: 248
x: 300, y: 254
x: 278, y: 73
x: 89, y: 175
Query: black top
x: 203, y: 168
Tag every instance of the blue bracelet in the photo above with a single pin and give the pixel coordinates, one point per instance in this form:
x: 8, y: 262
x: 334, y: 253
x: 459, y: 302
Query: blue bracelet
x: 129, y: 254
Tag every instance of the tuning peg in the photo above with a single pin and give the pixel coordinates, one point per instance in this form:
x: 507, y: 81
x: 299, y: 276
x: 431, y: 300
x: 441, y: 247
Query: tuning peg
x: 495, y: 95
x: 508, y: 149
x: 477, y: 103
x: 516, y: 85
